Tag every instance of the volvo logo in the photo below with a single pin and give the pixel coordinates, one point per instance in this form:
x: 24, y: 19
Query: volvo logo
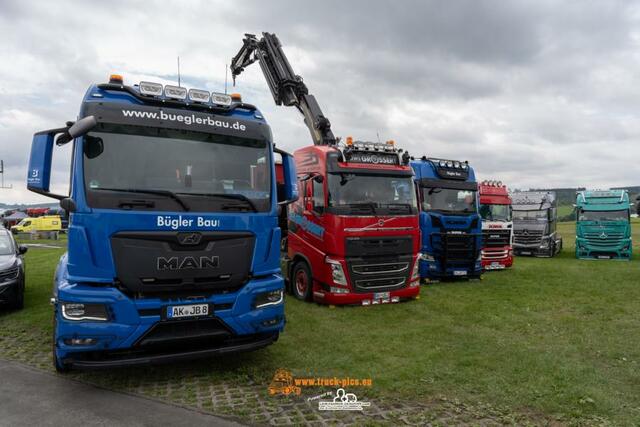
x: 189, y: 239
x: 187, y: 263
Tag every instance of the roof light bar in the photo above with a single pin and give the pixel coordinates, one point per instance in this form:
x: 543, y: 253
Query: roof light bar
x: 221, y: 99
x: 175, y: 92
x: 198, y: 95
x: 150, y: 89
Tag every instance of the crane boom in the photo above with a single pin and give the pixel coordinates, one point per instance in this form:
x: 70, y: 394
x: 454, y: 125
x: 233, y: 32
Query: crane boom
x: 287, y: 88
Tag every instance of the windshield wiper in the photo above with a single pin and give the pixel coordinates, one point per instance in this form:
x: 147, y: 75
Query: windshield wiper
x: 240, y: 197
x: 166, y: 193
x: 398, y: 206
x: 370, y: 205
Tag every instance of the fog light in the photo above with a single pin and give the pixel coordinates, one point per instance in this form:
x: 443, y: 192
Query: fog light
x: 395, y: 299
x: 270, y: 298
x: 366, y: 302
x: 414, y: 284
x: 77, y: 311
x: 336, y: 290
x: 271, y: 322
x: 80, y: 341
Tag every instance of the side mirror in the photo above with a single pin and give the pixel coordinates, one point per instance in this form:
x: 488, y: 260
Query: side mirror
x: 39, y: 172
x: 79, y: 128
x: 22, y: 249
x: 290, y: 178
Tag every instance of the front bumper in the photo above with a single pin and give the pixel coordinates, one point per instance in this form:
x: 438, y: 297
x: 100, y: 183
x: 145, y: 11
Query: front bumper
x: 621, y: 250
x: 323, y: 296
x: 532, y: 250
x: 119, y: 341
x: 434, y: 271
x: 497, y: 258
x: 9, y: 290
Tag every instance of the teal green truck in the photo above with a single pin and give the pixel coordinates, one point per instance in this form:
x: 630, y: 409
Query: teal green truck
x: 603, y: 229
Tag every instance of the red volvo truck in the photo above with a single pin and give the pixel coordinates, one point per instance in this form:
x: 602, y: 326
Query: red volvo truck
x: 354, y: 236
x: 497, y: 225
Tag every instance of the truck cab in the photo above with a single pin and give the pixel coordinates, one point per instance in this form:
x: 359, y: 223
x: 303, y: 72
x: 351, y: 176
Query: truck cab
x: 173, y: 240
x: 353, y: 235
x: 497, y: 225
x: 449, y: 220
x: 535, y: 221
x: 603, y: 228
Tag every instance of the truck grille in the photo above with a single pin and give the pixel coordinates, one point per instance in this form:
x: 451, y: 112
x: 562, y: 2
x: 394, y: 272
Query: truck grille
x: 604, y: 240
x: 453, y: 247
x: 496, y: 238
x: 527, y: 237
x: 376, y: 274
x: 493, y: 255
x: 378, y: 246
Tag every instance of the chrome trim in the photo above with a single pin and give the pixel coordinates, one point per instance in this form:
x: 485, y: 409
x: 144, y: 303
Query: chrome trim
x: 406, y: 267
x: 356, y: 230
x: 401, y: 282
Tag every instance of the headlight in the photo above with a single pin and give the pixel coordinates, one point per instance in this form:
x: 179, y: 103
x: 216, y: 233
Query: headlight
x: 337, y: 273
x: 267, y: 299
x: 77, y: 311
x: 416, y: 267
x: 427, y: 257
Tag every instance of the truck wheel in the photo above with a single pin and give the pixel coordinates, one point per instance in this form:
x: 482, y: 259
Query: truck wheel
x: 19, y: 302
x: 301, y: 283
x: 60, y: 367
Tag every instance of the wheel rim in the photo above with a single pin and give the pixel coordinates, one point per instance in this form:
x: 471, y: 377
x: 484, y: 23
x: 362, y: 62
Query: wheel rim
x: 301, y: 282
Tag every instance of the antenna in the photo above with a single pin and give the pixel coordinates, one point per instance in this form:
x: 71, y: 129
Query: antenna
x: 378, y: 134
x: 178, y: 71
x: 226, y: 71
x: 2, y: 175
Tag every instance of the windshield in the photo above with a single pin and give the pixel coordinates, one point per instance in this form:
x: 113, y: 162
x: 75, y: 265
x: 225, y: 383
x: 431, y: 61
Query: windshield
x: 25, y: 222
x: 6, y: 245
x: 371, y: 194
x: 530, y: 215
x: 169, y: 169
x: 495, y: 212
x: 621, y: 215
x: 448, y: 200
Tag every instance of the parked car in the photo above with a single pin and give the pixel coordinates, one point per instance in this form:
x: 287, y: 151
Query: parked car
x: 12, y: 278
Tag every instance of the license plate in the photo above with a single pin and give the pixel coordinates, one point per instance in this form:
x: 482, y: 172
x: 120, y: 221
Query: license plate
x: 459, y: 273
x: 525, y: 253
x: 603, y: 257
x: 381, y: 295
x: 191, y: 310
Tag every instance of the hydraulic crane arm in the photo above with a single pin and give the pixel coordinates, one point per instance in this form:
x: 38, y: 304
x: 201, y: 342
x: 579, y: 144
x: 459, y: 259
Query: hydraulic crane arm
x: 286, y: 87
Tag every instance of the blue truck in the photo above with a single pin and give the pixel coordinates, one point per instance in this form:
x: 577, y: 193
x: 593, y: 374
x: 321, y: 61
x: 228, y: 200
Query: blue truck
x: 173, y: 241
x: 449, y: 219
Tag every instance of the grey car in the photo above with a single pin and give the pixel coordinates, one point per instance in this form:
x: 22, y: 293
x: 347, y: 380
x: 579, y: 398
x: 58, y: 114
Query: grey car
x: 12, y: 279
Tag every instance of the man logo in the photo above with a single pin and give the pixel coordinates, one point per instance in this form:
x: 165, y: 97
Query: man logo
x: 189, y: 239
x: 187, y: 263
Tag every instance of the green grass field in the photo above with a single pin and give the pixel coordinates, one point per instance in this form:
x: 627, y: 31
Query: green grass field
x: 551, y: 338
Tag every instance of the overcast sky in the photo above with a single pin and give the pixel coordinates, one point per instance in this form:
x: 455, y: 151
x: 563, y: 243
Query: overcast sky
x: 536, y: 93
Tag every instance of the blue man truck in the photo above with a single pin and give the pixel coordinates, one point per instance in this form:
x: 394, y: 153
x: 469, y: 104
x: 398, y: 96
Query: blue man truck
x: 173, y: 242
x: 449, y: 219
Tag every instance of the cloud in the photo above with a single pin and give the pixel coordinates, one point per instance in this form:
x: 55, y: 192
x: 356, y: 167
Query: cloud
x: 532, y: 93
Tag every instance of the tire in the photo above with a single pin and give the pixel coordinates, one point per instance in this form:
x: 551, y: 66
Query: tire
x: 60, y: 367
x: 301, y: 282
x: 18, y: 298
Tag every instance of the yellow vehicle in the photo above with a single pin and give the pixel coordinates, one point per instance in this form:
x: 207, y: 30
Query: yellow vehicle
x: 41, y: 223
